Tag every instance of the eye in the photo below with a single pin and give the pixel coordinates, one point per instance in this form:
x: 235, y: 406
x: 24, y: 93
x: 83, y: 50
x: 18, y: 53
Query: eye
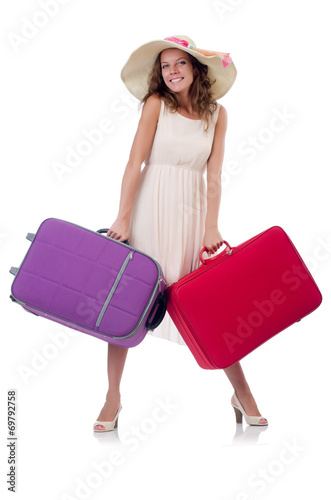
x: 182, y: 62
x: 164, y: 66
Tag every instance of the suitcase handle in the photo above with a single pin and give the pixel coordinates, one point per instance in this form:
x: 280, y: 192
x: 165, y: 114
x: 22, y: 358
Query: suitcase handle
x: 105, y: 230
x: 204, y: 262
x: 159, y: 308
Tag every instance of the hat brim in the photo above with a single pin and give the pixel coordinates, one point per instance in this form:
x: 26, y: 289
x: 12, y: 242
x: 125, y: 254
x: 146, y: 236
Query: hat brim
x: 136, y: 70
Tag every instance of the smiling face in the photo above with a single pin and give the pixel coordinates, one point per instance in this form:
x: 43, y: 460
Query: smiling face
x: 176, y: 69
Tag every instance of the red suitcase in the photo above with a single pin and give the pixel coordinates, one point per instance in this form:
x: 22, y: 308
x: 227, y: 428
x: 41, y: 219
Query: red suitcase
x: 239, y: 299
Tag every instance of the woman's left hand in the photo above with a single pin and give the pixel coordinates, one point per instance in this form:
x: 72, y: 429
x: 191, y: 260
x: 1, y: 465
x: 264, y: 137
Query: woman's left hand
x: 212, y: 240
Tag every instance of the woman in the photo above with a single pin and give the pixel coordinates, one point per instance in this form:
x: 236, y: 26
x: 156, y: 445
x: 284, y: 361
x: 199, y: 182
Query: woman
x: 165, y: 209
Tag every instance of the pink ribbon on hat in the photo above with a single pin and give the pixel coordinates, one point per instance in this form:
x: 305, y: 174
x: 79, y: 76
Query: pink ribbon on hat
x: 184, y: 43
x: 225, y: 56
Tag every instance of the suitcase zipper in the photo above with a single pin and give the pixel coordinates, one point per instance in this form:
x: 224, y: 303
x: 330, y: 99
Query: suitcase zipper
x: 160, y: 281
x: 143, y: 316
x: 113, y: 289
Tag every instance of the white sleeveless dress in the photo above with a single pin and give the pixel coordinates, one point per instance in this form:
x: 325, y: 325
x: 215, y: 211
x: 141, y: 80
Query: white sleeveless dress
x: 169, y: 209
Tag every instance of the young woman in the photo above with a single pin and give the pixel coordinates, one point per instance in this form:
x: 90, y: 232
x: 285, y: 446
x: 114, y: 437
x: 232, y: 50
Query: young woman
x: 166, y: 210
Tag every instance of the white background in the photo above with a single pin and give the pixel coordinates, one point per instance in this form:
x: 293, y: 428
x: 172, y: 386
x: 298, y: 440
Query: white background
x: 64, y: 79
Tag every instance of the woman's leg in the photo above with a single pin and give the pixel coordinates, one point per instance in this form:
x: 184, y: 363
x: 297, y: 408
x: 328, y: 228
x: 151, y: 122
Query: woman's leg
x: 115, y: 365
x: 237, y: 378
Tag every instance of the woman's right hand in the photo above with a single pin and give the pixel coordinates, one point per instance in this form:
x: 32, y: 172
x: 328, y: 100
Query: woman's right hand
x: 119, y: 231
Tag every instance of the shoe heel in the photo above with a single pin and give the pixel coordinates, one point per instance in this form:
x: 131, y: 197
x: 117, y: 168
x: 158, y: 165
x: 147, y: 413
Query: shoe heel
x: 239, y: 415
x: 118, y: 416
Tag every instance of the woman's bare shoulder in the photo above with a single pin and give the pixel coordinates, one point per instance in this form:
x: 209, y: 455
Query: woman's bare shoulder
x: 222, y: 110
x: 152, y: 106
x: 222, y: 115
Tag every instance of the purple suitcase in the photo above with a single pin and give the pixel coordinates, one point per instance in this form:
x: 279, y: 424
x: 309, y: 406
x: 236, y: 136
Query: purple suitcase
x: 91, y: 283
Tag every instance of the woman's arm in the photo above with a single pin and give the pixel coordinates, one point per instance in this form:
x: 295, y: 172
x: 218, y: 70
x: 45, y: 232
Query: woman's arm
x: 141, y: 147
x: 212, y: 238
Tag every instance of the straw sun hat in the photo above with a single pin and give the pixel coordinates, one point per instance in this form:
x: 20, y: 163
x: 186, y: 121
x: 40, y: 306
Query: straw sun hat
x: 139, y: 65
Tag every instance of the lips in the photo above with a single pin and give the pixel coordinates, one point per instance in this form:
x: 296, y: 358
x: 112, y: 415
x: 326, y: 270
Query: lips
x: 176, y: 80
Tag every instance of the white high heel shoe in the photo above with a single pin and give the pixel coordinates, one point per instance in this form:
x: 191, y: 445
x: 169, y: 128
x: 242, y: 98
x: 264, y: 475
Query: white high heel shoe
x: 107, y: 426
x: 250, y: 420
